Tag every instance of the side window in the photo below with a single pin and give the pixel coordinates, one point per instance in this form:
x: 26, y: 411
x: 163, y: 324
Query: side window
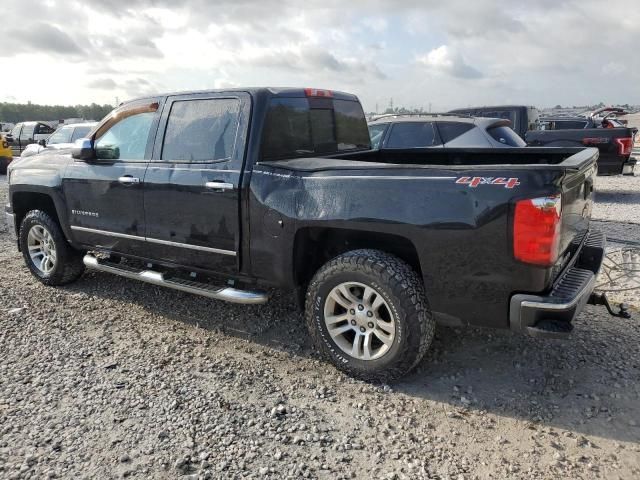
x: 80, y: 132
x: 126, y: 138
x: 27, y: 132
x: 452, y: 130
x: 412, y: 135
x: 201, y: 130
x: 376, y: 133
x: 42, y: 129
x: 506, y: 136
x: 62, y: 135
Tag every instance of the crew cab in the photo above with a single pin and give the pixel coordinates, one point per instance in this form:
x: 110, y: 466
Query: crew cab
x: 228, y: 193
x: 26, y: 133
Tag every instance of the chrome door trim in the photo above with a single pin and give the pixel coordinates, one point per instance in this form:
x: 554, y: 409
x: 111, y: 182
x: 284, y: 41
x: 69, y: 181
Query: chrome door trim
x: 192, y: 247
x: 153, y: 240
x: 104, y: 232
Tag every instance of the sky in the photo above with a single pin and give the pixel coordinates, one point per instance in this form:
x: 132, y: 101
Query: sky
x: 420, y: 53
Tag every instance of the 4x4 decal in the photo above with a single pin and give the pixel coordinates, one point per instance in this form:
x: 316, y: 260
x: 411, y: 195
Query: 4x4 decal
x: 473, y: 182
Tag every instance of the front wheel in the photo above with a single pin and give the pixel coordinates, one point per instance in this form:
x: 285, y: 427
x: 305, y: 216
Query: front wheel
x: 46, y: 252
x: 368, y: 314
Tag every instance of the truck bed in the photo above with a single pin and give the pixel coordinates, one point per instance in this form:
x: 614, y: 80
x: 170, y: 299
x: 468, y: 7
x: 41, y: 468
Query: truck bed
x: 528, y: 157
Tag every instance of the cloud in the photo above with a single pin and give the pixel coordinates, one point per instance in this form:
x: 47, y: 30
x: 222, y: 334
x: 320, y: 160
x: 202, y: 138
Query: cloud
x: 103, y: 84
x: 39, y: 37
x: 542, y: 52
x: 446, y: 60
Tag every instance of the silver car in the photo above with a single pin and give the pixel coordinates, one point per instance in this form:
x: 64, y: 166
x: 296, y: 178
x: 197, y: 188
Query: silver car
x: 63, y: 137
x: 441, y: 130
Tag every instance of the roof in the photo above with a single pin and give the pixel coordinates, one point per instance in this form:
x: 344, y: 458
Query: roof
x: 271, y: 91
x: 441, y: 117
x: 82, y: 124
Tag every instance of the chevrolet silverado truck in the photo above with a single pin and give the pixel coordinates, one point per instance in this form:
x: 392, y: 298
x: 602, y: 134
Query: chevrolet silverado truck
x: 228, y: 194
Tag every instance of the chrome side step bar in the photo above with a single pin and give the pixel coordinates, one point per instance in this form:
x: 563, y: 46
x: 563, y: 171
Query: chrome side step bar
x: 227, y: 294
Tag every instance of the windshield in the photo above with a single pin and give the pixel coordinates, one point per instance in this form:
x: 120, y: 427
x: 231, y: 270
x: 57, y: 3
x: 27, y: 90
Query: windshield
x: 299, y: 127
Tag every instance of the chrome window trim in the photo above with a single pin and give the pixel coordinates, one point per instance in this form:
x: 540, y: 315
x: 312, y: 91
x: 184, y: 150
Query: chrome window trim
x: 153, y: 240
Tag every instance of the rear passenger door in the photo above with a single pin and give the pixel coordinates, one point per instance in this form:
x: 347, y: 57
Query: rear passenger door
x: 191, y: 193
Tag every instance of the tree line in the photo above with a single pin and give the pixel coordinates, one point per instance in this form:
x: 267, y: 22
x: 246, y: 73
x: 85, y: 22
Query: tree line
x: 21, y: 112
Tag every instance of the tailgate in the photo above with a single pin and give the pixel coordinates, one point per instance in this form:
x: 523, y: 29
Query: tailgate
x: 577, y: 202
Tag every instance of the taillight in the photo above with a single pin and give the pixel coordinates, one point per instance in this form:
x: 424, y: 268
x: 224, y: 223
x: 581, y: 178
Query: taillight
x: 536, y: 230
x: 624, y: 145
x: 316, y: 92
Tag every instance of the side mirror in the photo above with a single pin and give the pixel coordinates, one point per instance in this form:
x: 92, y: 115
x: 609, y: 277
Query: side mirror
x: 83, y: 149
x: 43, y: 142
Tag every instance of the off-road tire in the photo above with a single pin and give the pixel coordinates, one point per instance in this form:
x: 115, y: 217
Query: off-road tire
x: 69, y: 266
x: 403, y: 291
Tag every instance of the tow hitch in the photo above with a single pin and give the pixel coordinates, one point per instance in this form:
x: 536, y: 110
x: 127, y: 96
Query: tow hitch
x: 601, y: 299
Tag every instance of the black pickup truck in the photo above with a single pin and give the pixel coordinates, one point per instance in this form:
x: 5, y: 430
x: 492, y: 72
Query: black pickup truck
x: 597, y: 129
x: 228, y: 193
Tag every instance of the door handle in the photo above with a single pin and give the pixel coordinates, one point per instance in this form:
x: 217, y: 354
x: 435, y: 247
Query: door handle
x: 128, y: 180
x: 219, y: 185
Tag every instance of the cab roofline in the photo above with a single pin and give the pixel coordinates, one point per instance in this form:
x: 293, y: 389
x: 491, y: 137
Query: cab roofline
x: 253, y: 91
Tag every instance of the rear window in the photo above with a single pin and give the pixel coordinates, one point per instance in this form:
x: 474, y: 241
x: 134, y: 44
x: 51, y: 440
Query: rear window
x: 506, y: 136
x: 412, y: 135
x: 376, y: 132
x: 298, y: 127
x: 452, y: 130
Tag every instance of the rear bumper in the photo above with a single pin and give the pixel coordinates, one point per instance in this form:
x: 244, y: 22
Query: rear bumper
x: 551, y: 315
x: 629, y: 166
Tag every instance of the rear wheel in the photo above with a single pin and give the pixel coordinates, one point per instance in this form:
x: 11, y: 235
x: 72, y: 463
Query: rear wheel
x: 46, y: 252
x: 368, y: 314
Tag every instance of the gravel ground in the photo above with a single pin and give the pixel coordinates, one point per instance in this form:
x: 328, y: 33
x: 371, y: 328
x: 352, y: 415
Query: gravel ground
x: 111, y: 378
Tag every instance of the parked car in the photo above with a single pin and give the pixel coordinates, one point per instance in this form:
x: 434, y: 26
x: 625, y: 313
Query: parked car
x: 614, y: 144
x: 522, y: 117
x: 64, y: 137
x: 6, y: 127
x: 228, y: 193
x: 26, y: 133
x: 601, y: 118
x: 5, y: 154
x: 441, y: 131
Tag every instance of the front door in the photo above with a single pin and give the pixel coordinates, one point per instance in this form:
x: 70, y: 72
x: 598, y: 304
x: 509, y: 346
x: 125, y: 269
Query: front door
x: 105, y: 196
x: 191, y: 189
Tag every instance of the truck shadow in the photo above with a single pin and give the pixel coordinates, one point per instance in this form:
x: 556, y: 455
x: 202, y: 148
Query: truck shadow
x: 582, y: 385
x: 626, y: 197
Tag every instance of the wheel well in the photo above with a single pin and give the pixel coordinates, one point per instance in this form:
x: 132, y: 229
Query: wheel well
x: 24, y: 202
x: 313, y: 247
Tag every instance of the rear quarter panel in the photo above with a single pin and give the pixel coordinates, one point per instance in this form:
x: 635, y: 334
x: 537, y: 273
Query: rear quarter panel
x: 460, y: 232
